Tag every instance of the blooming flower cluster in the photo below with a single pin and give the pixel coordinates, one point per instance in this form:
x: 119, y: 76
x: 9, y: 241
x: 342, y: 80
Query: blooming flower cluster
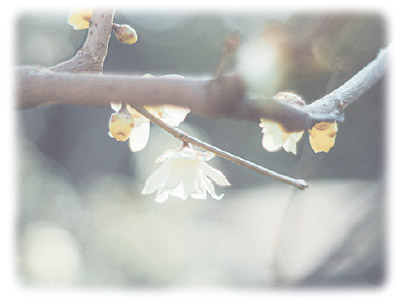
x: 322, y: 136
x: 184, y: 173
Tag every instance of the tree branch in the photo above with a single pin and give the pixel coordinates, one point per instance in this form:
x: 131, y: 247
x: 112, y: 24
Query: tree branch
x: 211, y: 98
x: 183, y: 136
x: 342, y: 97
x: 222, y: 97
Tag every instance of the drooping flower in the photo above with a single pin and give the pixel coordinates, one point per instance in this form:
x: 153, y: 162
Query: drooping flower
x: 79, y: 18
x: 322, y: 136
x: 184, y: 173
x: 121, y: 125
x: 140, y: 132
x: 274, y: 135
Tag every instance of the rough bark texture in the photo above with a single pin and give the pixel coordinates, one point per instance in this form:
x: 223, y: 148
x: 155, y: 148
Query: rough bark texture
x: 90, y: 58
x: 211, y: 98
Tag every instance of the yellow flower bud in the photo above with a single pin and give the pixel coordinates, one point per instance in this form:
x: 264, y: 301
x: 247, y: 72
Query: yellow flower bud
x: 120, y: 125
x: 79, y: 18
x: 322, y: 136
x: 125, y: 34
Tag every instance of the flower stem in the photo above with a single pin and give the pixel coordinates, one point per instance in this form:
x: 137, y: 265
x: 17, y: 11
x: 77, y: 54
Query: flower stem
x: 183, y: 136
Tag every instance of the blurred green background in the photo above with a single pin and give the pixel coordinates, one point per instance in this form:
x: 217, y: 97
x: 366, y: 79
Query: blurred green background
x: 82, y: 220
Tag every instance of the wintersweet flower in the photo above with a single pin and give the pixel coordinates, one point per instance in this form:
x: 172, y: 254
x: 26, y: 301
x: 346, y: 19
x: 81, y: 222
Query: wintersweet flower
x: 322, y: 136
x: 121, y: 125
x: 140, y: 132
x: 79, y: 18
x: 184, y: 172
x: 274, y: 135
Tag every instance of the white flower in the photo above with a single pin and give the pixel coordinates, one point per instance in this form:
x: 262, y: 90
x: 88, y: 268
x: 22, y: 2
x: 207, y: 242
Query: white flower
x: 140, y: 133
x: 183, y: 173
x: 274, y: 135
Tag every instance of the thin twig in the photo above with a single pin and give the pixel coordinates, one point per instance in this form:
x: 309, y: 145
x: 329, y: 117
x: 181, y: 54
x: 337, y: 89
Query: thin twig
x: 183, y: 136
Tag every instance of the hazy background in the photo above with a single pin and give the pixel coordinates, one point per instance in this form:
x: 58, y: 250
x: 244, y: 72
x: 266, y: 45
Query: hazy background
x: 83, y: 222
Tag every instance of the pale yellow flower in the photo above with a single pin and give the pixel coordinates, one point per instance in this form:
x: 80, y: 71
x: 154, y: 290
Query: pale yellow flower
x: 121, y: 125
x: 322, y: 136
x: 184, y: 173
x: 275, y: 136
x: 140, y: 132
x: 79, y: 18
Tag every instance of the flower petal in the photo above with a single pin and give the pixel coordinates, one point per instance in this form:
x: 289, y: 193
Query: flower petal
x: 205, y: 156
x: 272, y: 136
x: 181, y: 153
x: 116, y: 106
x: 322, y: 136
x: 181, y: 169
x: 174, y: 115
x: 290, y: 144
x: 322, y: 143
x: 191, y: 183
x: 155, y: 110
x: 185, y: 152
x: 79, y: 18
x: 139, y: 137
x: 162, y: 196
x: 179, y: 192
x: 210, y: 187
x: 201, y: 185
x: 163, y: 157
x: 214, y: 174
x: 157, y: 179
x: 139, y: 118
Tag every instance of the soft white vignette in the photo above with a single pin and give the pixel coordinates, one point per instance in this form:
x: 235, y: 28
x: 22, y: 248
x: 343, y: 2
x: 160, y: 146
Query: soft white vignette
x: 13, y: 291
